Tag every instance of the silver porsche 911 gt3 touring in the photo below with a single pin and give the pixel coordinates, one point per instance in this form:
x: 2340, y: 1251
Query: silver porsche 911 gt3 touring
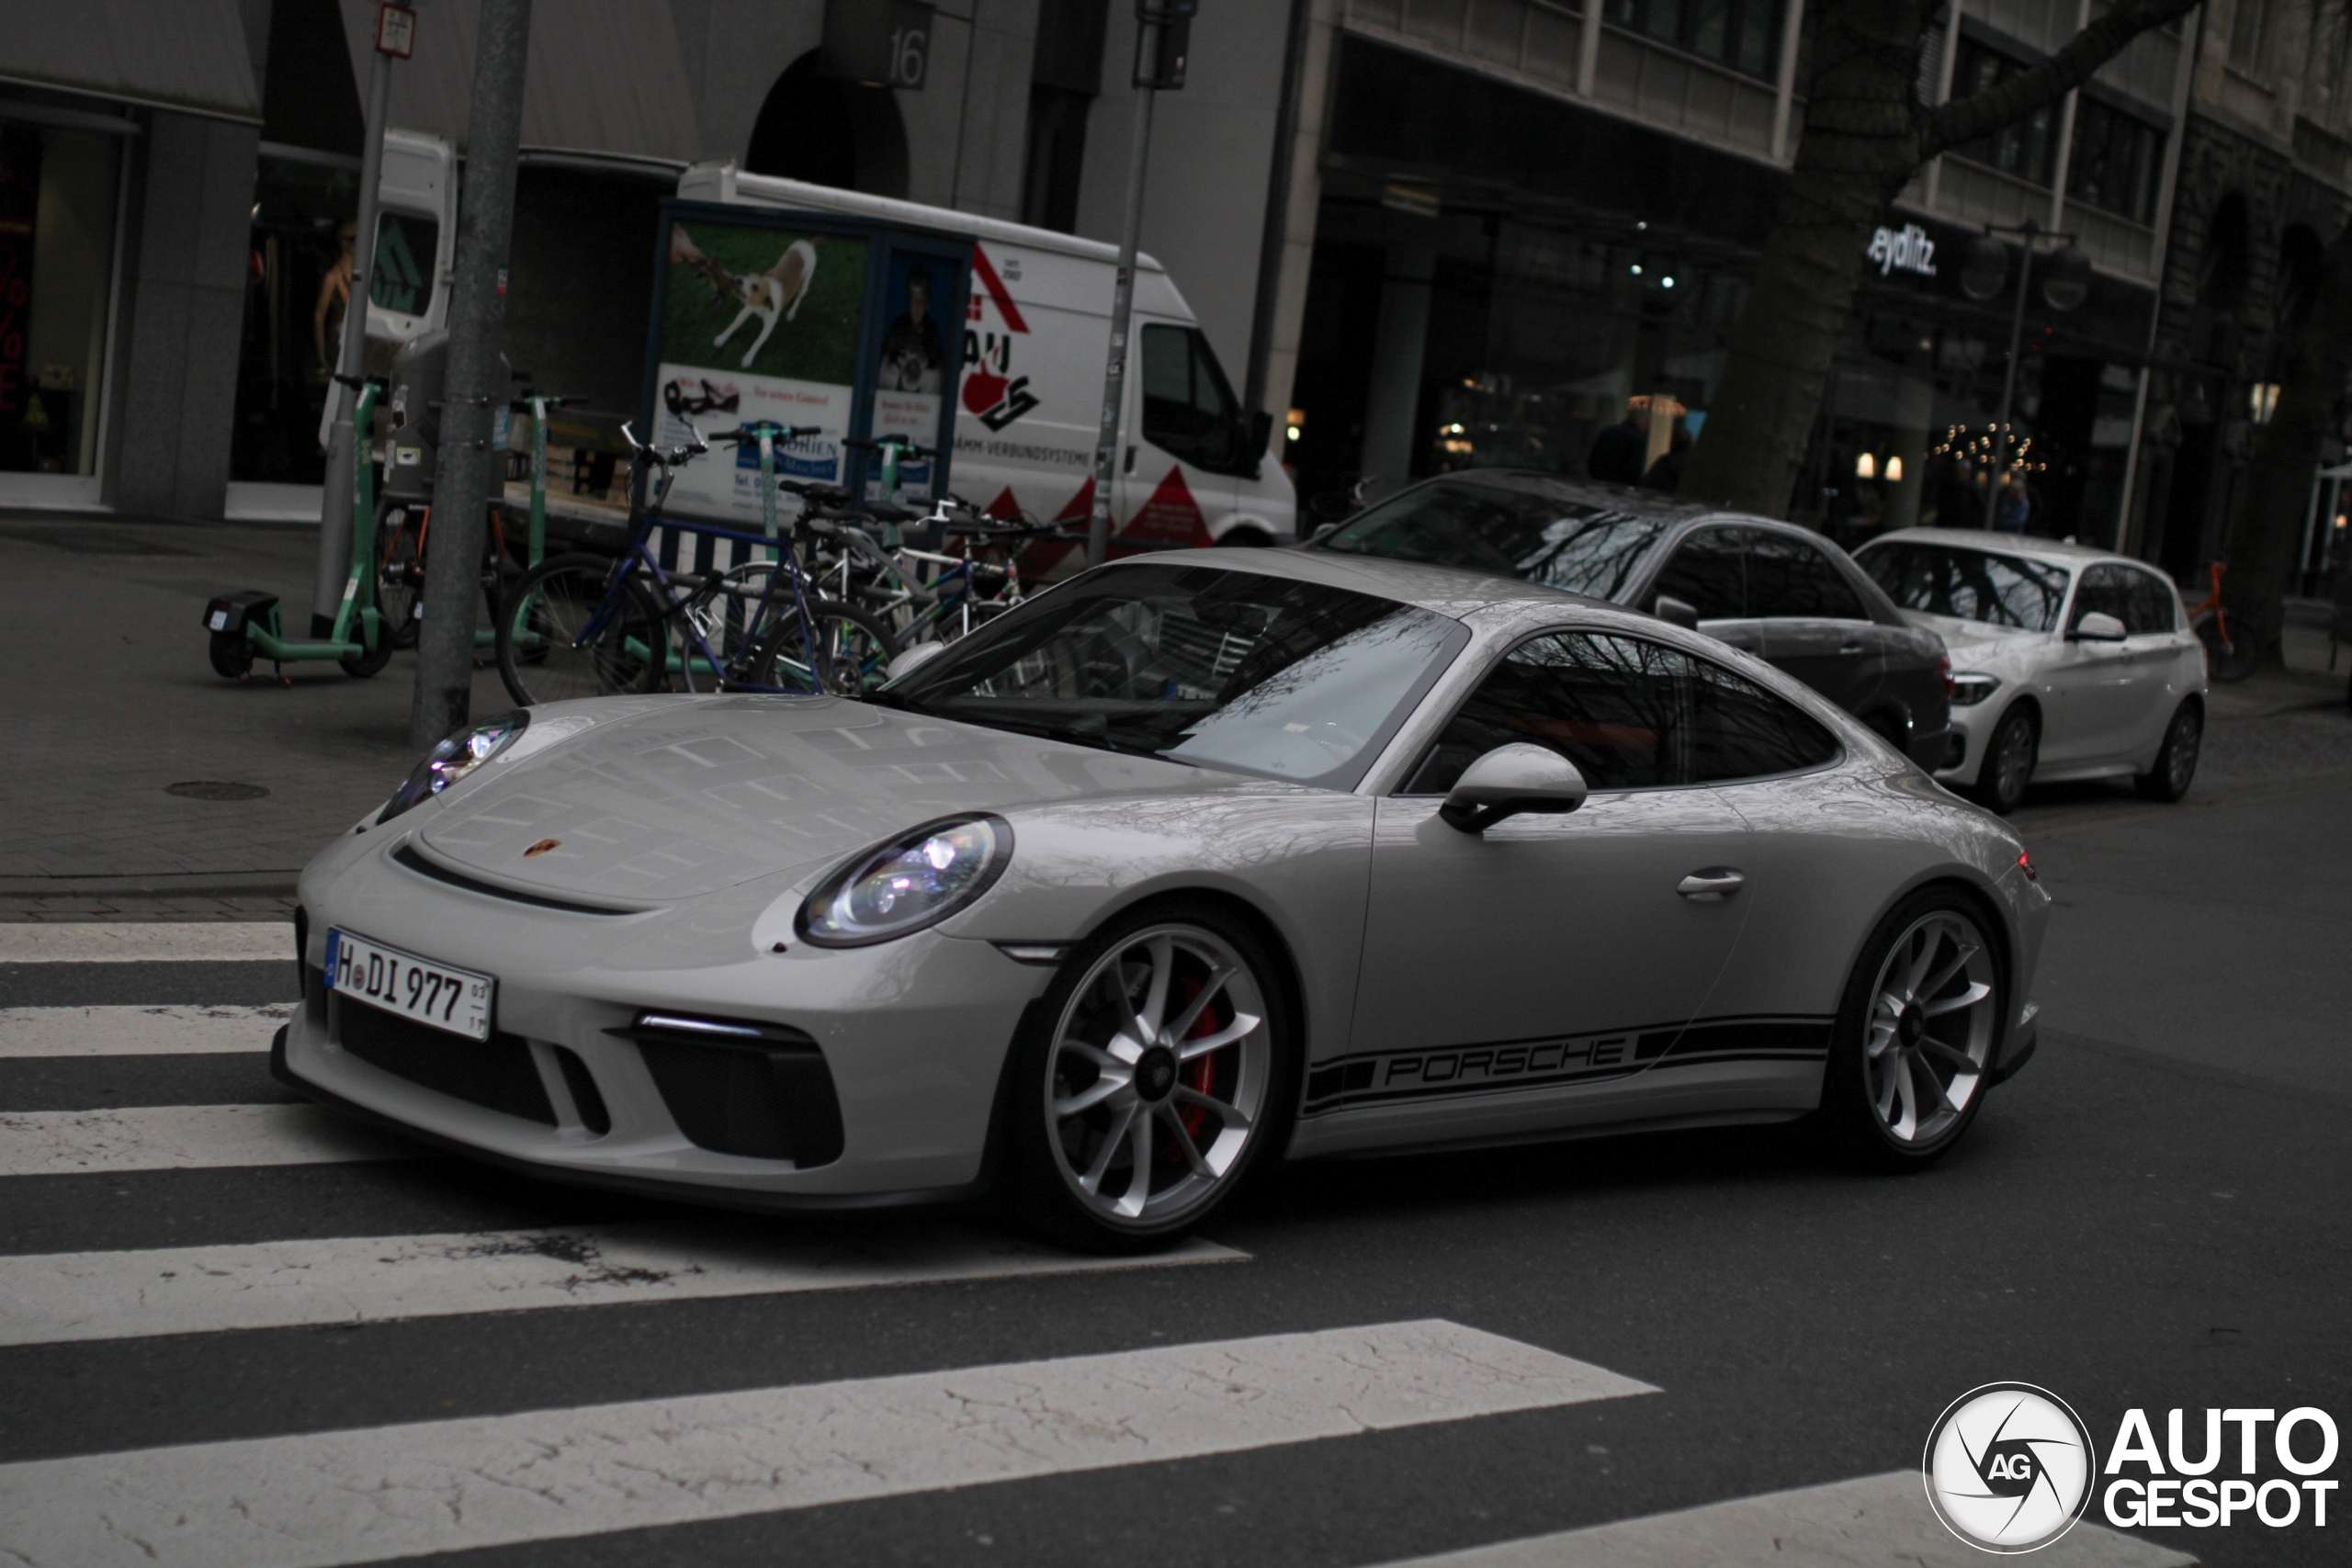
x: 1187, y: 866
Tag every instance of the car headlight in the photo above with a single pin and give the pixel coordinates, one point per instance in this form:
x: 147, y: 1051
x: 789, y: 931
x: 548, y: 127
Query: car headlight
x: 453, y: 759
x: 1968, y: 690
x: 917, y: 879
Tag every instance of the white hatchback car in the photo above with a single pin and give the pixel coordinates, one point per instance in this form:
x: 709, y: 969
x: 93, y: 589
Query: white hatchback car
x: 2068, y: 662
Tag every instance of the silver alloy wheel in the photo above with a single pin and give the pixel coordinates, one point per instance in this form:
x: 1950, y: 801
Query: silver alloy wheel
x: 1932, y: 1025
x: 1158, y: 1076
x: 2180, y: 750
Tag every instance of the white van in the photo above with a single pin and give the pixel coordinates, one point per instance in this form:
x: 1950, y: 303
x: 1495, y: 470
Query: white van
x: 415, y: 250
x: 1193, y: 467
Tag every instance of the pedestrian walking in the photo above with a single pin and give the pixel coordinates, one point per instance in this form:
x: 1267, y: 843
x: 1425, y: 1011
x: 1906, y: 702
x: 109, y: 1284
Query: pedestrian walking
x: 1620, y: 451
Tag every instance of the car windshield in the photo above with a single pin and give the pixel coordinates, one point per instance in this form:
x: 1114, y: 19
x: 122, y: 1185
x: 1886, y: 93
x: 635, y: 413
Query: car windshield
x: 1511, y: 533
x: 1968, y: 584
x: 1231, y: 670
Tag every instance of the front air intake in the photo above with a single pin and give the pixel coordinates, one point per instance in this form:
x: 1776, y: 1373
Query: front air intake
x: 496, y: 1074
x: 761, y: 1091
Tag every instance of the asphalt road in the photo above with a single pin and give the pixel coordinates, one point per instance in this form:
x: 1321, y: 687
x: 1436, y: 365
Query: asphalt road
x: 2152, y: 1215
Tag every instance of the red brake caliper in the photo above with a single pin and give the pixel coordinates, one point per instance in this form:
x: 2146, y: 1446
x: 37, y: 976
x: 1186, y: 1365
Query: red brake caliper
x: 1199, y: 1074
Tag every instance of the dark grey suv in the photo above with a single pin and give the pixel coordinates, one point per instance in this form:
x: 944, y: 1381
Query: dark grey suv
x: 1782, y: 592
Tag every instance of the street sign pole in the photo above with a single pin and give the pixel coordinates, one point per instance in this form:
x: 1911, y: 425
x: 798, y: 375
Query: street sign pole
x: 1163, y: 35
x: 344, y: 441
x: 475, y: 386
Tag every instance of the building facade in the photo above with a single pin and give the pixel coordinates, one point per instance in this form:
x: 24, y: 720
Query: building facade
x: 1530, y: 214
x: 2264, y: 186
x: 1425, y: 234
x: 180, y: 176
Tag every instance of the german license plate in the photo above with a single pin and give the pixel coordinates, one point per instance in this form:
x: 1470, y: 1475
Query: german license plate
x: 457, y: 1000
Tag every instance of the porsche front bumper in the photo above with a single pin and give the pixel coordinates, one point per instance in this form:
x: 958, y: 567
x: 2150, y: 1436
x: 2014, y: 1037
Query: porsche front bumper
x: 911, y: 1034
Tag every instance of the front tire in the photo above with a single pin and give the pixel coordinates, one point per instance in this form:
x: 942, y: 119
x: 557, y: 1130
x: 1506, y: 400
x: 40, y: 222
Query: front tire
x: 2010, y: 759
x: 540, y: 655
x: 2177, y: 758
x: 1911, y: 1054
x: 1164, y: 1071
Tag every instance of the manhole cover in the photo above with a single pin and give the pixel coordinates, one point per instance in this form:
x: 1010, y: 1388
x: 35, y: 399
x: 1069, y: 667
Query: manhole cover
x: 214, y: 789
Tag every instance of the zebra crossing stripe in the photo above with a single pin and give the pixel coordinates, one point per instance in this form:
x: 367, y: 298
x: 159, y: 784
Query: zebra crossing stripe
x: 1875, y: 1519
x: 49, y: 1298
x: 138, y: 1031
x: 186, y: 1137
x: 151, y: 941
x: 316, y: 1499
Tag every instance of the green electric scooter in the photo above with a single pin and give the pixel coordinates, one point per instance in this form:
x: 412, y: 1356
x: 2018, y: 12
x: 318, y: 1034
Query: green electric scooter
x: 246, y: 626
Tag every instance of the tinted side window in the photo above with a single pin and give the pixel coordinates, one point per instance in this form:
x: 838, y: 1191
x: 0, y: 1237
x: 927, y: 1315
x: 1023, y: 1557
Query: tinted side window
x: 1615, y: 706
x: 1790, y: 577
x: 2151, y: 602
x: 2104, y: 590
x: 1739, y: 730
x: 1709, y: 571
x: 1188, y: 410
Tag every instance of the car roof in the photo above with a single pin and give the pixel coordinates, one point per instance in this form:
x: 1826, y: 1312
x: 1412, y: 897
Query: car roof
x: 1656, y: 505
x: 2055, y: 552
x: 1455, y: 592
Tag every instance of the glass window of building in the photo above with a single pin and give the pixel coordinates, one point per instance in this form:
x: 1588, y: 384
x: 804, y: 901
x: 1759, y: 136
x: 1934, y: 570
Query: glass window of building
x: 2116, y: 162
x: 1741, y: 34
x: 298, y: 286
x: 58, y: 194
x: 2027, y: 149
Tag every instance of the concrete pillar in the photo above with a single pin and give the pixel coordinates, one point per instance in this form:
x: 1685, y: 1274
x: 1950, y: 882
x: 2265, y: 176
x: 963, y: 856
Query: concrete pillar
x: 1401, y: 340
x: 183, y: 285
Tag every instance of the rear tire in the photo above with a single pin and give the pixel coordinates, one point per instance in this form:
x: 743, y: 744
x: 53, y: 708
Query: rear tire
x: 1912, y: 1053
x: 543, y: 618
x: 2177, y: 758
x: 2231, y: 662
x: 856, y: 650
x: 1117, y: 1146
x: 2010, y: 758
x: 231, y: 655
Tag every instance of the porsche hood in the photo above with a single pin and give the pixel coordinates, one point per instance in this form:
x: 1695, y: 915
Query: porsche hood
x: 677, y: 798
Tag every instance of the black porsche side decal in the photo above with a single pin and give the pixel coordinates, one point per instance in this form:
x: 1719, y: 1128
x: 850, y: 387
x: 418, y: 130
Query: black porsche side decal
x: 1378, y: 1076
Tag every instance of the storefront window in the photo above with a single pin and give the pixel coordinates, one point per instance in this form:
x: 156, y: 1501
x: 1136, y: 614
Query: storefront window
x: 2116, y: 162
x: 1737, y: 33
x: 57, y: 195
x: 298, y: 285
x: 2027, y: 149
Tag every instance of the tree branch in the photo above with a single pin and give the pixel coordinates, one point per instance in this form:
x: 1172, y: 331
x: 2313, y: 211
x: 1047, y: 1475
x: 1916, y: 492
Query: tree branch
x: 1964, y: 119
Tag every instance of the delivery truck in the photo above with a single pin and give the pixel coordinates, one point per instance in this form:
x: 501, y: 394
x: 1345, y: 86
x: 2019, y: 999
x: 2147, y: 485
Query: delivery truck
x: 1193, y: 467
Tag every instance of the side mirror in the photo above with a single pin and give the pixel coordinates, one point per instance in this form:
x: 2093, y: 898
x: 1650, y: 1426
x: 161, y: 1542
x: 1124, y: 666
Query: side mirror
x: 911, y: 659
x: 1261, y: 433
x: 2099, y: 626
x: 1322, y: 531
x: 1509, y: 780
x: 1676, y: 612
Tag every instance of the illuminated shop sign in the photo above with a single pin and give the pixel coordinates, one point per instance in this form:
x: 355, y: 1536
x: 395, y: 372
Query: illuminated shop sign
x: 1907, y: 249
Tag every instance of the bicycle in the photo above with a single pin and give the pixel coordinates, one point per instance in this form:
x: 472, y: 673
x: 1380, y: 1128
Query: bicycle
x: 401, y: 576
x: 2227, y: 660
x: 582, y: 625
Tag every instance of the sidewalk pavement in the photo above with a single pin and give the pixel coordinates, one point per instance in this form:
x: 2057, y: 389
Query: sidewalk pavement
x: 115, y: 703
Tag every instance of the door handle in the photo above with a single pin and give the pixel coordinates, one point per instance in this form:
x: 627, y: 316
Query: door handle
x: 1848, y: 649
x: 1713, y: 885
